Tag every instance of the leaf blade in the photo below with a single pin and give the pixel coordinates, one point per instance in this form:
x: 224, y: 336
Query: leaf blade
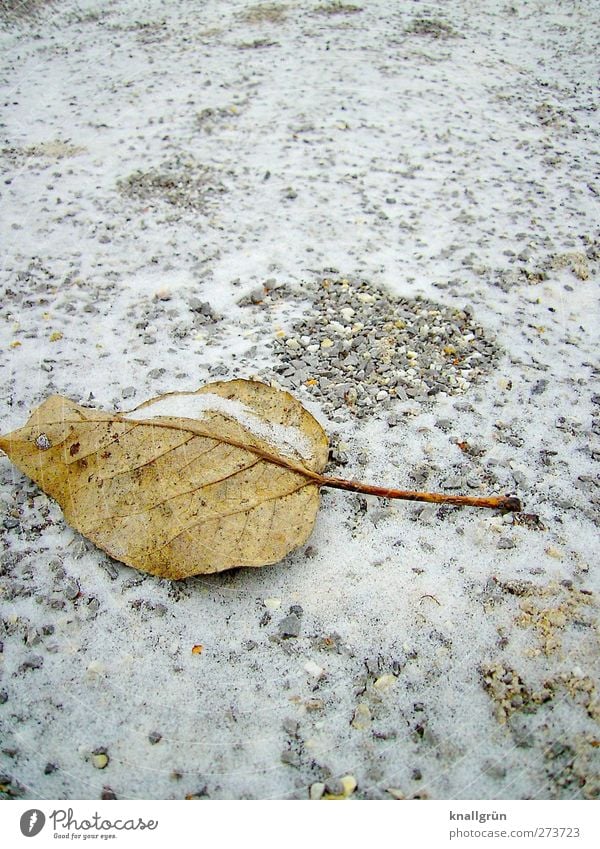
x: 174, y: 496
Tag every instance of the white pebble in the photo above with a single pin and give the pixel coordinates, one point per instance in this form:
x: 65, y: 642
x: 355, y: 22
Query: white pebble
x: 314, y: 669
x: 316, y: 790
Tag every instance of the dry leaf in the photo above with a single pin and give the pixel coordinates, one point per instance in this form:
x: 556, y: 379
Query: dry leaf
x: 190, y: 483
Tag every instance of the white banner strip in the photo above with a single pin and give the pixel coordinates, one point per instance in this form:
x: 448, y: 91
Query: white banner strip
x: 293, y: 823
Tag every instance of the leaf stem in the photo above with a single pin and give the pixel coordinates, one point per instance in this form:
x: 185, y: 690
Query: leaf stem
x: 508, y: 503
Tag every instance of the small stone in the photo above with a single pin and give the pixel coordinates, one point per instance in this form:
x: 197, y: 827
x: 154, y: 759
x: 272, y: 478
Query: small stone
x: 42, y: 442
x: 362, y: 717
x: 154, y: 737
x: 341, y: 788
x: 50, y: 768
x: 289, y: 626
x: 290, y: 758
x: 316, y: 790
x: 155, y: 373
x: 108, y: 793
x: 373, y: 794
x: 33, y: 662
x: 334, y: 788
x: 100, y: 760
x: 290, y: 726
x: 314, y: 669
x: 272, y: 603
x: 506, y: 543
x: 3, y: 697
x: 71, y: 590
x: 384, y: 682
x: 396, y: 793
x: 539, y: 386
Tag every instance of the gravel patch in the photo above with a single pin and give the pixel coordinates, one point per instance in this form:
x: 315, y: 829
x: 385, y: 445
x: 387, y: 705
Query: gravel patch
x: 359, y: 348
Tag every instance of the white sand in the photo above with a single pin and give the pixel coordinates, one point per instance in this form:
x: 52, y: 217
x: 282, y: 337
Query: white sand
x: 289, y: 441
x: 488, y: 143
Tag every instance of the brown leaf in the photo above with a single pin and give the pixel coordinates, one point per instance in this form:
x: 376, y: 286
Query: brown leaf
x: 192, y: 482
x: 178, y: 496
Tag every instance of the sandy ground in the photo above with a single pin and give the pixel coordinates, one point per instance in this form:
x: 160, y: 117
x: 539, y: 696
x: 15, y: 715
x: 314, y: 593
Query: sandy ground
x: 161, y: 157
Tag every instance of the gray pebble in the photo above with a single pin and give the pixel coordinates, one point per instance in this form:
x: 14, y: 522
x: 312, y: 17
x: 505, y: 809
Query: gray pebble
x: 155, y: 373
x: 108, y: 794
x: 289, y: 626
x: 291, y: 726
x: 334, y: 787
x: 71, y: 590
x: 33, y: 662
x: 539, y: 386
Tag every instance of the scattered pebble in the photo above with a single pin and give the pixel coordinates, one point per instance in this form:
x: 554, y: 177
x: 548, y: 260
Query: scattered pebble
x: 362, y: 717
x: 100, y: 760
x: 108, y: 793
x: 314, y: 669
x: 340, y: 788
x: 289, y: 626
x: 384, y: 682
x: 316, y: 790
x: 291, y: 758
